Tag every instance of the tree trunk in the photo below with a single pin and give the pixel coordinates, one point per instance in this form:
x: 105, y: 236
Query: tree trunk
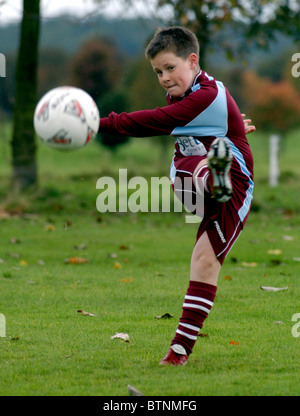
x: 23, y: 140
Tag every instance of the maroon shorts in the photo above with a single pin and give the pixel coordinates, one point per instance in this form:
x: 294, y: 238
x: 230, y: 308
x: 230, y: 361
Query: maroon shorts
x: 221, y: 221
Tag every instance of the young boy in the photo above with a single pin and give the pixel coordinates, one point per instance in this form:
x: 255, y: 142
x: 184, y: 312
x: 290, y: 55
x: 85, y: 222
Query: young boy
x: 211, y: 150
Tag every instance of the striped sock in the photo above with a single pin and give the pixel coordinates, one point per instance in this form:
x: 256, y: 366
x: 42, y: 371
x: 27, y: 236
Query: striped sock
x: 196, y: 307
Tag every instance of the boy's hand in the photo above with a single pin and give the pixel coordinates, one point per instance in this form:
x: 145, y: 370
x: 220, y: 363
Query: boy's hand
x: 248, y: 129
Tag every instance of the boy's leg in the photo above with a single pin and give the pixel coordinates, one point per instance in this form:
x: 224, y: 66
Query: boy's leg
x: 198, y: 301
x: 211, y: 178
x: 205, y: 266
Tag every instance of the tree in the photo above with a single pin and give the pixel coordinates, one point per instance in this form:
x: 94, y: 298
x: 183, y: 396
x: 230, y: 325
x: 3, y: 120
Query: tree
x: 96, y: 67
x: 275, y: 106
x: 23, y: 139
x: 53, y: 69
x: 243, y: 22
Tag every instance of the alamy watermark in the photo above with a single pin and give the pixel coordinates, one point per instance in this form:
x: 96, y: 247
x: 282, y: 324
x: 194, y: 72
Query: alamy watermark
x: 139, y: 195
x: 296, y: 327
x: 2, y: 66
x: 2, y: 326
x: 296, y: 67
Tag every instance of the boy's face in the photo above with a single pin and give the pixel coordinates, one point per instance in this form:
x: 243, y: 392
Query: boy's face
x: 175, y: 74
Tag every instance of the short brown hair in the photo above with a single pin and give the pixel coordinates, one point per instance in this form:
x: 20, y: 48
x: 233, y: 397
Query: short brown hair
x: 179, y: 40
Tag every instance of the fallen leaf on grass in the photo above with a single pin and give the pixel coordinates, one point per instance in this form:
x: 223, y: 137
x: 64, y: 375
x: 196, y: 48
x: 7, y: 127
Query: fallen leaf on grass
x: 275, y: 251
x: 50, y: 227
x: 234, y: 260
x: 76, y: 260
x: 233, y: 342
x: 15, y: 240
x: 288, y: 237
x: 273, y: 289
x: 23, y: 263
x: 288, y: 214
x: 203, y: 335
x: 276, y: 262
x: 14, y: 255
x: 251, y: 264
x: 15, y: 338
x: 121, y: 335
x: 69, y: 356
x: 165, y: 316
x: 227, y: 278
x: 117, y: 265
x: 67, y: 224
x: 133, y: 391
x: 127, y: 280
x: 84, y: 313
x: 80, y: 247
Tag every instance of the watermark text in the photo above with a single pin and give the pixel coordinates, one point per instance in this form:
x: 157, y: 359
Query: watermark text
x: 2, y: 326
x: 296, y: 327
x: 2, y: 66
x: 296, y: 67
x: 151, y: 405
x: 138, y: 194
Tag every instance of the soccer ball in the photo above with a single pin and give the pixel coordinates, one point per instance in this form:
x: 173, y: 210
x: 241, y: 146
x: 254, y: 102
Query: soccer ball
x: 66, y: 118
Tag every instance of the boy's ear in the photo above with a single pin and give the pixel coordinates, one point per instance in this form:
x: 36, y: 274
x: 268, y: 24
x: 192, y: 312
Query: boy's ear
x: 193, y: 58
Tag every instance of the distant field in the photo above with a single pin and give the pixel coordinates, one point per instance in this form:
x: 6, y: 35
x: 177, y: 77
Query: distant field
x: 133, y: 268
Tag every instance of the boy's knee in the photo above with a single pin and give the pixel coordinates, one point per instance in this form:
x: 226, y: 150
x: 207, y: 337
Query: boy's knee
x: 204, y: 260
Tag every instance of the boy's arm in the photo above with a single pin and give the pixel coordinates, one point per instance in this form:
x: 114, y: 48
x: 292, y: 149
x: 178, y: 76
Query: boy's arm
x: 144, y: 123
x: 162, y: 120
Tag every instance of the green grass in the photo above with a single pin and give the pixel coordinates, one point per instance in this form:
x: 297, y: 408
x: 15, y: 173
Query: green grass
x: 51, y: 349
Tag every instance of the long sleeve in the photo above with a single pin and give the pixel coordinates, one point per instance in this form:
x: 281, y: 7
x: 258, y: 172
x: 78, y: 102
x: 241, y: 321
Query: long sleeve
x: 163, y: 120
x: 207, y: 110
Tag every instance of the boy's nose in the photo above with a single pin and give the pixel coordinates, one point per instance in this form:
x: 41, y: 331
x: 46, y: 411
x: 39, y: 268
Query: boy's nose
x: 165, y: 77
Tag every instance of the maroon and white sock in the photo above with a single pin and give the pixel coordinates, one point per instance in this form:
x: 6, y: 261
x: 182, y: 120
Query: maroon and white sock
x: 196, y: 307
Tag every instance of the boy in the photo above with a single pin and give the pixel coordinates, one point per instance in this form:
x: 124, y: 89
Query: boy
x: 211, y: 150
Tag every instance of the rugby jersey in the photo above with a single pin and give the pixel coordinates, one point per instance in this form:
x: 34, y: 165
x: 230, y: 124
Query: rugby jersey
x: 207, y: 110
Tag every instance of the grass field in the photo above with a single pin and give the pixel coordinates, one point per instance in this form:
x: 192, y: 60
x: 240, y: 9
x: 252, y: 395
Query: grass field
x: 136, y: 268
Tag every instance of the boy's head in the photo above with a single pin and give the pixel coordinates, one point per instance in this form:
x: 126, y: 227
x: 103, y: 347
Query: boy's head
x: 179, y: 40
x: 174, y: 56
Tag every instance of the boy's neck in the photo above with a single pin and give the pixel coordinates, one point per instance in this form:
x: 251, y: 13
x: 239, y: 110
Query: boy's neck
x: 196, y: 76
x: 198, y: 72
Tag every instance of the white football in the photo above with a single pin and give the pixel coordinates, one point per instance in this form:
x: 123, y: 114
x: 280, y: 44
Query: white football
x: 66, y: 118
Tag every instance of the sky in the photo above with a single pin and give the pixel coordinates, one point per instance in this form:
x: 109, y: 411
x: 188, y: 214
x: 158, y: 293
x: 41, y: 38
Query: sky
x: 11, y: 10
